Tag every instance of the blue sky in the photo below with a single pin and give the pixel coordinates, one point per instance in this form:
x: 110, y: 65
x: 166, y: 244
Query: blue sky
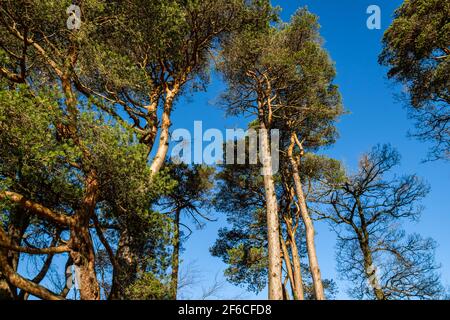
x: 374, y: 117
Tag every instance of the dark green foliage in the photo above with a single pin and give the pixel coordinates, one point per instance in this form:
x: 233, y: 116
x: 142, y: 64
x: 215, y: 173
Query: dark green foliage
x: 39, y: 164
x: 34, y: 161
x: 148, y: 287
x: 417, y: 52
x: 242, y: 246
x: 288, y: 63
x: 193, y: 188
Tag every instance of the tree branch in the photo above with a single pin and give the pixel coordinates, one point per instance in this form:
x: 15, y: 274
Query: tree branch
x: 38, y: 209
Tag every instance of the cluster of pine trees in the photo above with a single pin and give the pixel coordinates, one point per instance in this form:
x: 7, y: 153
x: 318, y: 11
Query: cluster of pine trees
x: 85, y: 178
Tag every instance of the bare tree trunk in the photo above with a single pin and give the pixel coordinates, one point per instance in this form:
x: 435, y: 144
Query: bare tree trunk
x: 163, y: 146
x: 273, y: 228
x: 149, y: 137
x: 175, y: 256
x: 297, y: 269
x: 285, y: 290
x: 363, y: 239
x: 288, y: 265
x: 370, y: 271
x: 309, y: 227
x: 83, y: 257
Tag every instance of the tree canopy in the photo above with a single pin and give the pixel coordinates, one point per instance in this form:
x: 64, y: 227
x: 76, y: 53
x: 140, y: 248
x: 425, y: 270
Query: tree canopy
x: 416, y: 49
x: 87, y: 185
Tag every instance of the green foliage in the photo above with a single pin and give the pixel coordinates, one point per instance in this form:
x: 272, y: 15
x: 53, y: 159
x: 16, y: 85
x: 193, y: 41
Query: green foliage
x: 39, y: 163
x: 193, y: 185
x: 244, y: 250
x: 317, y: 167
x: 418, y: 36
x: 168, y: 44
x: 166, y: 41
x: 247, y: 264
x: 148, y: 287
x: 417, y: 52
x: 287, y: 64
x: 122, y: 168
x: 242, y: 246
x: 33, y: 159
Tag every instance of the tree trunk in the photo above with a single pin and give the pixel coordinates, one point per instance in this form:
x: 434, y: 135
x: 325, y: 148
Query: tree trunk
x: 364, y: 244
x: 83, y: 255
x: 369, y: 268
x: 6, y: 293
x: 18, y: 223
x: 288, y: 265
x: 297, y: 269
x: 163, y: 146
x: 285, y: 290
x: 175, y: 256
x: 81, y: 245
x: 127, y: 266
x: 309, y: 227
x: 370, y: 271
x: 273, y: 228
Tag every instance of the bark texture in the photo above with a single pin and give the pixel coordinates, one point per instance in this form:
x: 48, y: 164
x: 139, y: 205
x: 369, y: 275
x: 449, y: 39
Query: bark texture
x: 309, y: 226
x: 273, y: 227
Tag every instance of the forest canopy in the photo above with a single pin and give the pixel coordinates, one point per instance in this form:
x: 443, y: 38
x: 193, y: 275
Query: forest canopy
x: 88, y: 187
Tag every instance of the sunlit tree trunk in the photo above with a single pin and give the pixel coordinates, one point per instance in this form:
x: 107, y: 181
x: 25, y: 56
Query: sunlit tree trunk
x: 309, y: 226
x: 288, y: 267
x: 163, y: 146
x: 293, y: 267
x: 371, y: 272
x: 297, y: 270
x: 273, y: 228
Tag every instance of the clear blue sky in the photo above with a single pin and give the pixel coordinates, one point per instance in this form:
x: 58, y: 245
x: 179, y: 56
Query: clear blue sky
x: 375, y: 117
